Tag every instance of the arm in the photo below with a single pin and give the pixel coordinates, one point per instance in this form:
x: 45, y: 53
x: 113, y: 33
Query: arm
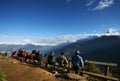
x: 82, y: 62
x: 66, y: 60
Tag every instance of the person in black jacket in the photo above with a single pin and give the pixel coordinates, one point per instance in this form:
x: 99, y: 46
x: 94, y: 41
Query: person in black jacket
x: 38, y: 56
x: 50, y: 59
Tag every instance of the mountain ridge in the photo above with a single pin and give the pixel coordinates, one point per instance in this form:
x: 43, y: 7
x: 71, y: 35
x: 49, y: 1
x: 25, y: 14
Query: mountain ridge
x: 103, y: 48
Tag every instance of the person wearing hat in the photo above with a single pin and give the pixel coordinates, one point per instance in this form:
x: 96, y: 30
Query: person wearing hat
x: 78, y: 63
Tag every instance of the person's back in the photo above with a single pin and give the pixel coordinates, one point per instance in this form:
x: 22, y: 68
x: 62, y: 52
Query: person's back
x: 50, y: 59
x: 78, y: 63
x: 62, y: 60
x: 24, y: 54
x: 39, y: 56
x: 6, y: 53
x: 32, y: 55
x: 14, y: 54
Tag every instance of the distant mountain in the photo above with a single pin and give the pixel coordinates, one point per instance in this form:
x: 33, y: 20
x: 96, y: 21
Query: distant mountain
x: 104, y: 48
x: 100, y: 48
x: 29, y: 47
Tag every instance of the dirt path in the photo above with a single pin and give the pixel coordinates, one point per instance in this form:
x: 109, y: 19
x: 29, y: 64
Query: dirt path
x: 17, y: 71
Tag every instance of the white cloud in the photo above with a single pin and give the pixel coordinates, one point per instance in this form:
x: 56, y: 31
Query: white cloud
x: 112, y: 31
x: 103, y: 4
x: 59, y: 39
x: 73, y: 38
x: 90, y: 2
x: 26, y: 41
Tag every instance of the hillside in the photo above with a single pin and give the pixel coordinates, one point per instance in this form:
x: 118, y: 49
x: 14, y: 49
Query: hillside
x: 17, y: 71
x: 104, y: 48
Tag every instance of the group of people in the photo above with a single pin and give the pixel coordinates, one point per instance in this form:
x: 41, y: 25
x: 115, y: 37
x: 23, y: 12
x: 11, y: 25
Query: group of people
x: 35, y: 56
x: 77, y: 61
x: 61, y: 60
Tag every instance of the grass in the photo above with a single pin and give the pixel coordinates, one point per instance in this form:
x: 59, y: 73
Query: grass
x: 2, y: 76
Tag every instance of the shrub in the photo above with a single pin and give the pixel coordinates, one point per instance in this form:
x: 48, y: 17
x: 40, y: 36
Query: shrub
x: 92, y: 68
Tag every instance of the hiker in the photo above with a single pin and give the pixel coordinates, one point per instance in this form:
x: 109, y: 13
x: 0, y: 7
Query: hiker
x: 32, y: 56
x: 62, y: 60
x: 27, y: 58
x: 6, y: 53
x: 20, y: 53
x: 14, y: 54
x: 23, y: 56
x: 78, y: 63
x: 50, y: 59
x: 38, y: 56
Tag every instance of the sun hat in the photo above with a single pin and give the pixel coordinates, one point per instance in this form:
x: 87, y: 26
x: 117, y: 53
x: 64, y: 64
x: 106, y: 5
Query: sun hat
x: 77, y: 52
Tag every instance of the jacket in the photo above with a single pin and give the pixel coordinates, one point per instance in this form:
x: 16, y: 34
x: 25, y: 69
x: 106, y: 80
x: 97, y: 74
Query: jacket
x: 77, y: 60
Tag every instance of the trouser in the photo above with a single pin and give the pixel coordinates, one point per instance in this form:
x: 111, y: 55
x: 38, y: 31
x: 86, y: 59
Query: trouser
x: 77, y: 70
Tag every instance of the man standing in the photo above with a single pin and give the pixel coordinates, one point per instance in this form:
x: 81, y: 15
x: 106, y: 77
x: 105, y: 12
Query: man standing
x: 78, y: 63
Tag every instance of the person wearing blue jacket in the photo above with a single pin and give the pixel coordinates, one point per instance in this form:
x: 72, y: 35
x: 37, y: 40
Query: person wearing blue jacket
x: 78, y: 63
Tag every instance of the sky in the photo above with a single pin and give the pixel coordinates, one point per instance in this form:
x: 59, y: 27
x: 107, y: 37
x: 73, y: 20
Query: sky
x: 47, y: 21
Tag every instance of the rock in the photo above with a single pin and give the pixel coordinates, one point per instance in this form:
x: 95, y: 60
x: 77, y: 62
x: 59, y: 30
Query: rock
x: 54, y: 72
x: 14, y: 62
x: 75, y: 76
x: 50, y: 74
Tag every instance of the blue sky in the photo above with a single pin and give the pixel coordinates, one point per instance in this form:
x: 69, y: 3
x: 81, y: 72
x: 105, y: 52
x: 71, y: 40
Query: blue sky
x: 33, y: 20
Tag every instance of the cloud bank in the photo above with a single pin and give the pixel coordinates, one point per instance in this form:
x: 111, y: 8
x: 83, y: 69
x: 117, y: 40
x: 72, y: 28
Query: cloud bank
x: 59, y: 39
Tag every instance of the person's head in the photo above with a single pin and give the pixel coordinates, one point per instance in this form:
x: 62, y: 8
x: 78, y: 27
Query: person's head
x: 77, y: 52
x: 62, y: 53
x: 39, y: 52
x: 52, y: 52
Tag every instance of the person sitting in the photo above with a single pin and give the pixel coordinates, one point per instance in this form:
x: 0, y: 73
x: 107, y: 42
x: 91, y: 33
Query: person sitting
x: 62, y: 60
x: 38, y: 56
x: 32, y: 56
x: 50, y: 59
x: 14, y: 54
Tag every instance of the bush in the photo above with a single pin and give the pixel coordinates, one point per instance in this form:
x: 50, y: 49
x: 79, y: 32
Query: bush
x: 116, y: 72
x: 92, y: 68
